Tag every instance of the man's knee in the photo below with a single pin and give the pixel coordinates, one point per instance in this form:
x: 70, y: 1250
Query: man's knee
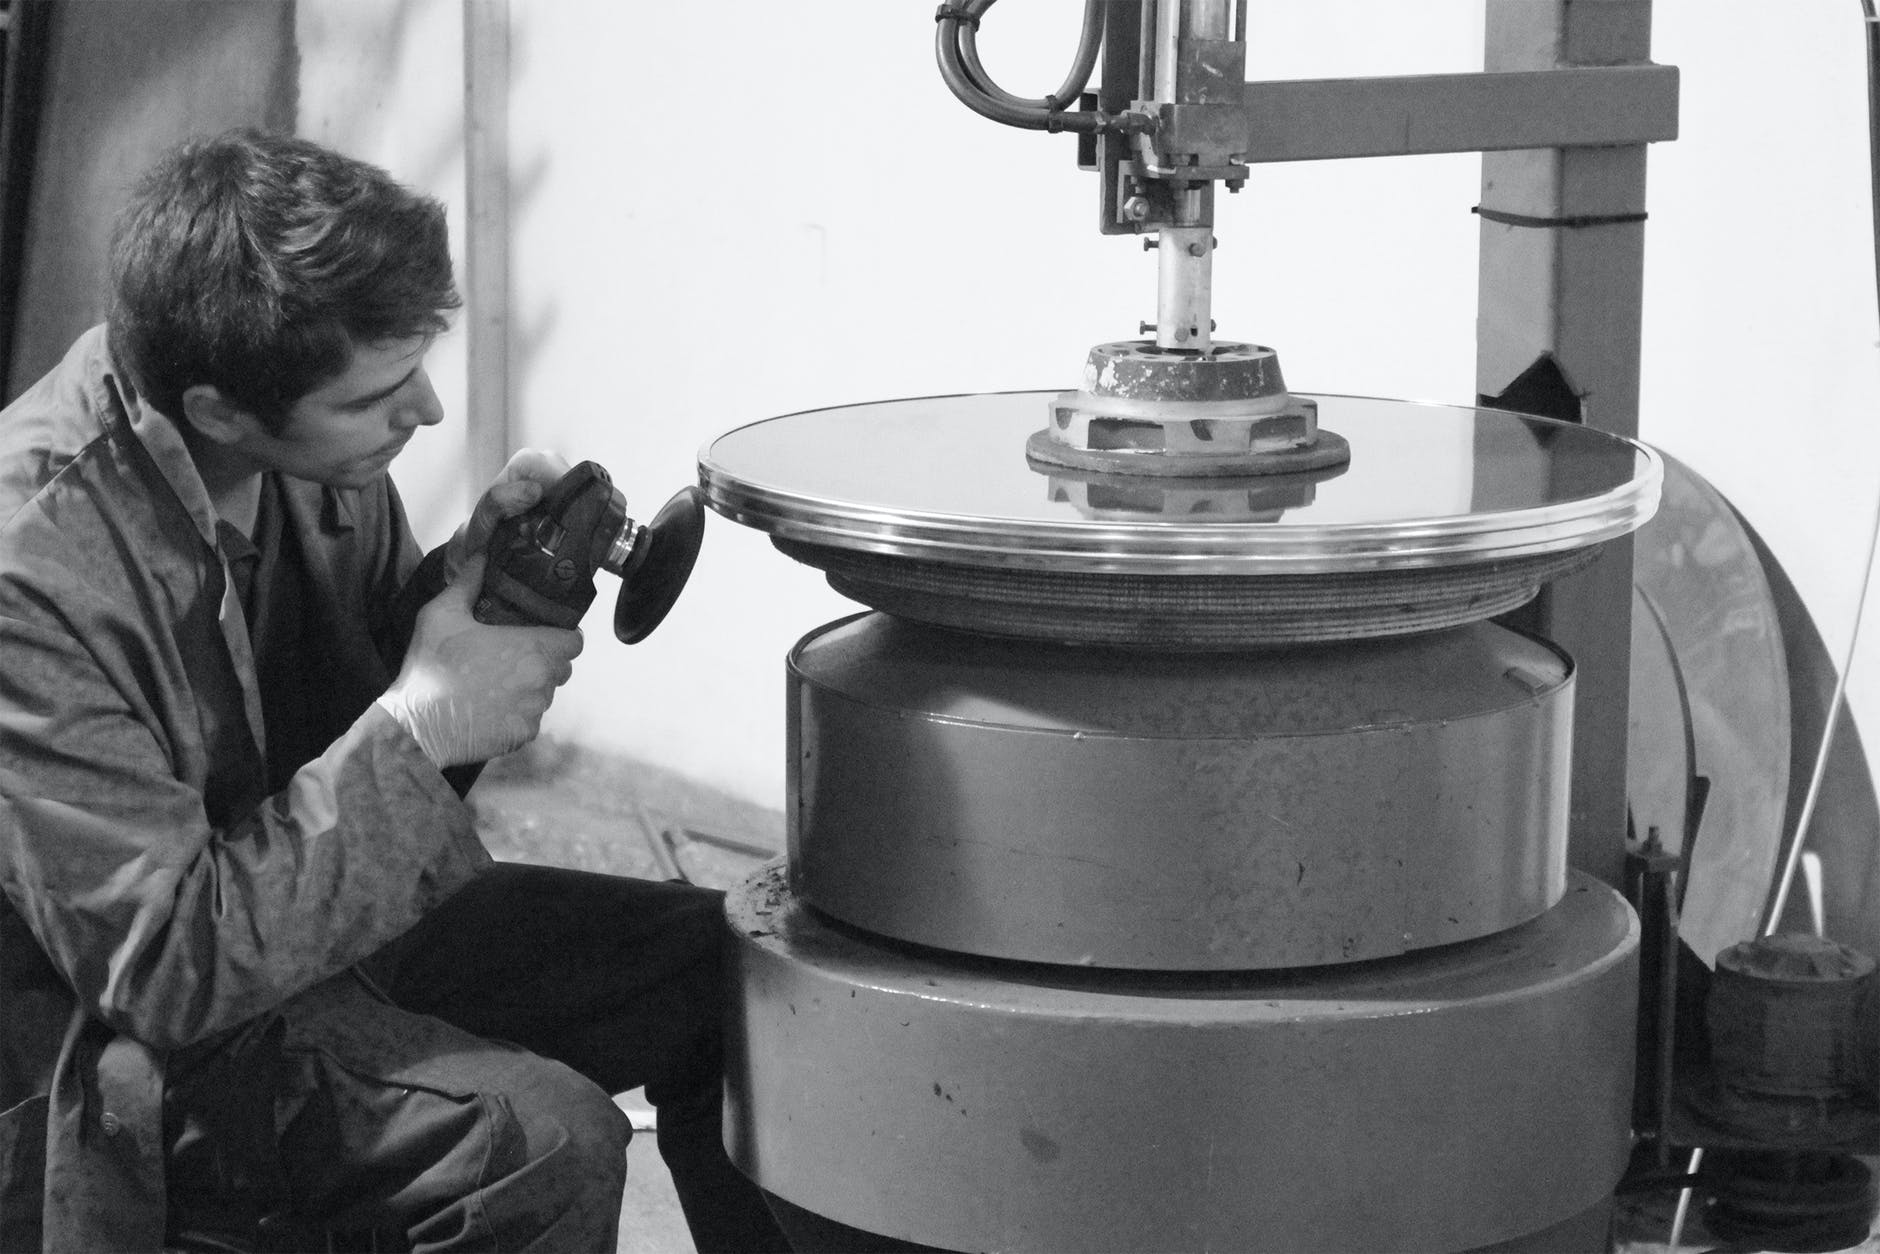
x: 402, y: 1119
x: 554, y: 1168
x: 565, y: 1122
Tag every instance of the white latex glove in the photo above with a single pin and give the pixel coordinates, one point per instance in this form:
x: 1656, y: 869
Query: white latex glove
x: 469, y: 691
x: 529, y: 473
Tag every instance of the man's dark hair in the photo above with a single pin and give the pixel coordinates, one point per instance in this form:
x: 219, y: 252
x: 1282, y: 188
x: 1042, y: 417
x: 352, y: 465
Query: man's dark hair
x: 254, y: 262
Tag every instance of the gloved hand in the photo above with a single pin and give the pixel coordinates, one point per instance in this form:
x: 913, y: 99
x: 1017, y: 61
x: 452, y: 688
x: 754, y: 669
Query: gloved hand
x: 529, y: 473
x: 469, y: 691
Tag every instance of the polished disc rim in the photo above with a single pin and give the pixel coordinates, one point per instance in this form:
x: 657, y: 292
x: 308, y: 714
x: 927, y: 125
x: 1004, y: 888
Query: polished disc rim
x: 851, y: 478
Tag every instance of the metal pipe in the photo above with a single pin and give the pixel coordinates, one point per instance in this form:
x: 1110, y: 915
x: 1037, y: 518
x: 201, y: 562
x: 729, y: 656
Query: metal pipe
x: 1185, y: 287
x: 1210, y: 19
x: 1196, y: 19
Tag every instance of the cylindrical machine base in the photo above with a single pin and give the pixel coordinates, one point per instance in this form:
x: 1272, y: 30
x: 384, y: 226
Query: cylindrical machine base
x: 1267, y: 808
x: 1442, y: 1100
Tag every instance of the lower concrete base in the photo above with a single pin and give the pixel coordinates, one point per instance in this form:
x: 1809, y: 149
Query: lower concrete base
x: 1444, y: 1100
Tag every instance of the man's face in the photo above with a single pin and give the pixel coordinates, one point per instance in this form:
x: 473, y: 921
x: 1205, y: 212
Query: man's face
x: 346, y: 432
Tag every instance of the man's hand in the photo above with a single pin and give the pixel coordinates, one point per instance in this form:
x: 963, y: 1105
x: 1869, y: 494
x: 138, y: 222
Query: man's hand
x: 528, y: 474
x: 469, y: 691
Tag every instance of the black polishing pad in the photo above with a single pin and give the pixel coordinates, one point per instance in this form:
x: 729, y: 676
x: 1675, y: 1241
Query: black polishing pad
x: 672, y: 540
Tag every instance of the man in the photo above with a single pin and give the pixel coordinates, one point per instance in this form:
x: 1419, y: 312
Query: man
x: 254, y: 963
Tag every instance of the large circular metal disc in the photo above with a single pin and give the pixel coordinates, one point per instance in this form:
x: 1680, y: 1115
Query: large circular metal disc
x: 945, y: 480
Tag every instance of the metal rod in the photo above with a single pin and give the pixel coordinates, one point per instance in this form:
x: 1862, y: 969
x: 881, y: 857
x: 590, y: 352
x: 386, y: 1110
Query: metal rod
x: 1664, y: 1080
x: 659, y: 845
x: 1168, y: 38
x: 1145, y: 50
x: 1773, y: 919
x: 1684, y: 1204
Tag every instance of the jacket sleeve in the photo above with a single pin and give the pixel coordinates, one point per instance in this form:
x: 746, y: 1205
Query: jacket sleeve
x: 166, y: 928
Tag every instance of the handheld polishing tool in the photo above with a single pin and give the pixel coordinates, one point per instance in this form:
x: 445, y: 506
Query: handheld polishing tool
x: 542, y: 561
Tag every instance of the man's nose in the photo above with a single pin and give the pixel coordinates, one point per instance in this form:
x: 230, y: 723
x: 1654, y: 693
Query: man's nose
x: 419, y: 406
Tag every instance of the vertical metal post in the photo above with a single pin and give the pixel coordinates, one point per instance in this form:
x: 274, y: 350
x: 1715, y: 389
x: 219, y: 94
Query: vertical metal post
x: 1185, y: 254
x: 25, y: 46
x: 486, y: 238
x: 1168, y: 36
x: 1185, y: 287
x: 1561, y: 283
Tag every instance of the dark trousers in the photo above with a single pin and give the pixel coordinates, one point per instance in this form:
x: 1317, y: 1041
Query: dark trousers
x: 456, y: 1089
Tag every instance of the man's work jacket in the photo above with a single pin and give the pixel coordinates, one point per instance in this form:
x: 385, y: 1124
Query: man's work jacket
x: 153, y: 890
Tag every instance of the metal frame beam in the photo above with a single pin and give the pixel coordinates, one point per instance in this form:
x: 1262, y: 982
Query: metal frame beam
x: 1572, y: 107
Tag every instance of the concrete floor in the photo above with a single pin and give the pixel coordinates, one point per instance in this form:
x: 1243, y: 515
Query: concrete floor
x: 564, y: 806
x: 650, y: 1222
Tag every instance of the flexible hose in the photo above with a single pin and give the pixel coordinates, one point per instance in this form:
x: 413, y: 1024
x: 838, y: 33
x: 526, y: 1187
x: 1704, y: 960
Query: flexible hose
x: 1083, y: 65
x: 956, y: 52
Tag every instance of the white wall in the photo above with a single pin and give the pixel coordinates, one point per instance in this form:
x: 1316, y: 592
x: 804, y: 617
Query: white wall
x: 382, y: 80
x: 1760, y: 336
x: 124, y: 82
x: 725, y: 212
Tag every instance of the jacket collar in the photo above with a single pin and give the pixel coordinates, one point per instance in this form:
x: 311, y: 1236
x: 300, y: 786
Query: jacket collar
x: 161, y: 436
x: 117, y: 395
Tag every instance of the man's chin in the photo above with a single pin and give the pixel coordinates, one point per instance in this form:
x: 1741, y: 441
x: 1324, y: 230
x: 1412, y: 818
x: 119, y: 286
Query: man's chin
x: 357, y: 477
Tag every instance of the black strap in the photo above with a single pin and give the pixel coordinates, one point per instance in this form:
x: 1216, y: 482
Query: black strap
x: 1573, y: 222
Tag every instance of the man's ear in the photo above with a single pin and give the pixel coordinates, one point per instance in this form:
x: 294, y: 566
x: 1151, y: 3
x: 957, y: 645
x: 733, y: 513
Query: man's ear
x: 215, y: 417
